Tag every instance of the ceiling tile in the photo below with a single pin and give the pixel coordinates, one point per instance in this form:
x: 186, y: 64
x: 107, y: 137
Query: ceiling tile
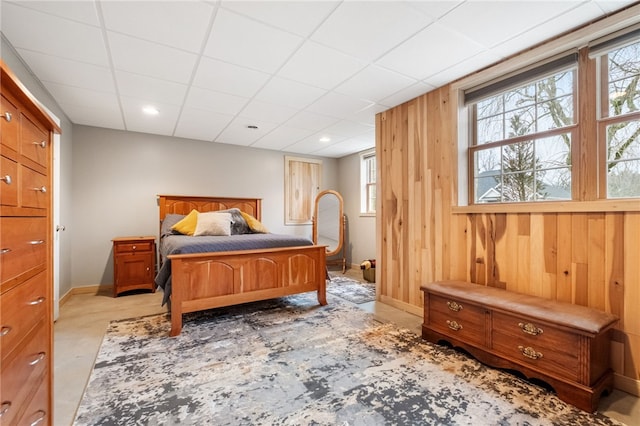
x: 151, y: 59
x: 466, y: 67
x: 311, y: 121
x: 367, y: 115
x: 368, y: 29
x: 150, y: 89
x: 201, y: 124
x: 491, y: 22
x: 407, y: 93
x: 80, y: 96
x: 311, y: 144
x: 237, y: 133
x: 281, y: 137
x: 214, y: 101
x: 573, y: 18
x: 289, y: 93
x: 258, y: 110
x: 71, y: 73
x: 345, y: 129
x: 159, y: 20
x: 228, y: 78
x: 96, y: 115
x: 320, y: 66
x: 436, y: 8
x: 80, y: 11
x: 613, y: 5
x: 137, y: 121
x: 298, y: 17
x: 246, y: 42
x: 436, y: 41
x: 52, y: 35
x: 348, y: 146
x: 337, y: 105
x: 374, y: 83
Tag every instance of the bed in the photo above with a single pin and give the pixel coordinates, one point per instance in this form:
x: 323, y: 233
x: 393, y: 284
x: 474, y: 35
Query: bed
x: 195, y: 280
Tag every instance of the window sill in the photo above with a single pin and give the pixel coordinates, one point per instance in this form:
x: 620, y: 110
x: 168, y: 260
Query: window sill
x: 367, y: 214
x: 622, y: 205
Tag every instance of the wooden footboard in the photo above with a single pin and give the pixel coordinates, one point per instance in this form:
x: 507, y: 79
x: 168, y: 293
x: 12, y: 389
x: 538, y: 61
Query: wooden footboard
x: 210, y: 280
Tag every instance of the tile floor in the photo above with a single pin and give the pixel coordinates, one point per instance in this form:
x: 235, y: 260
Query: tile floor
x: 84, y: 318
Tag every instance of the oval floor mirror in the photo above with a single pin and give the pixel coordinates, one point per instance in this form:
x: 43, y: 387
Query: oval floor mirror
x: 329, y: 226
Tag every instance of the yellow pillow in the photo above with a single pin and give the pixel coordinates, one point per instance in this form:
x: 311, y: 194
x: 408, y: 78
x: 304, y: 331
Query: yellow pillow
x: 187, y: 225
x: 254, y: 224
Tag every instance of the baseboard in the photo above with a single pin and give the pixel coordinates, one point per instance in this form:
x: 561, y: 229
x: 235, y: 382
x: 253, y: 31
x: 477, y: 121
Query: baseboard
x: 412, y: 309
x: 626, y: 384
x: 90, y: 289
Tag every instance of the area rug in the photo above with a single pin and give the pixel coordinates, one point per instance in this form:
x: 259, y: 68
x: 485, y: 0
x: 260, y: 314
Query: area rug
x: 291, y: 362
x: 351, y: 290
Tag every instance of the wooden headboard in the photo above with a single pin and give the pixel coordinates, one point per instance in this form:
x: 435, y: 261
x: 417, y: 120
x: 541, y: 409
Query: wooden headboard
x: 183, y: 204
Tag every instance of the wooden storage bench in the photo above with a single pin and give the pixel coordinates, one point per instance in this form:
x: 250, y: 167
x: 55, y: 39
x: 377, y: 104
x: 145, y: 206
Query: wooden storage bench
x: 564, y: 345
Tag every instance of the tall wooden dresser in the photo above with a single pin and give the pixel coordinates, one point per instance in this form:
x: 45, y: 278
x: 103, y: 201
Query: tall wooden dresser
x: 26, y: 256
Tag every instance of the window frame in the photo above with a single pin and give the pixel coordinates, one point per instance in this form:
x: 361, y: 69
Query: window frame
x: 585, y: 182
x: 365, y: 184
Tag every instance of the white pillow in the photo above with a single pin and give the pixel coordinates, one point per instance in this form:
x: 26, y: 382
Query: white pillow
x: 213, y: 223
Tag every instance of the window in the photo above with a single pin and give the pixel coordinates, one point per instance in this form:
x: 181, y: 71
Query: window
x: 522, y: 129
x: 368, y: 182
x: 619, y: 118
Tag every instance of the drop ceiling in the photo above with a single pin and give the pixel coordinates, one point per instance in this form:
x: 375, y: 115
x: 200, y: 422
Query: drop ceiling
x: 299, y: 71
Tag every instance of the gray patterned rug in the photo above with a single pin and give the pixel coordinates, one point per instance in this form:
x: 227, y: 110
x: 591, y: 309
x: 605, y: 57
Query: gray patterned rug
x: 290, y: 362
x: 352, y: 290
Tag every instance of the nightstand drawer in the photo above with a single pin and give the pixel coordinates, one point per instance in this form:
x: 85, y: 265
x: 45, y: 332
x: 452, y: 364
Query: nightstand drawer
x: 456, y: 318
x: 134, y: 247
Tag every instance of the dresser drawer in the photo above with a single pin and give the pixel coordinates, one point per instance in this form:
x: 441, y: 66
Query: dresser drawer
x: 37, y: 412
x: 133, y: 247
x: 24, y: 371
x: 35, y: 142
x: 23, y: 245
x: 458, y: 319
x: 22, y: 308
x: 9, y: 183
x: 9, y: 124
x: 550, y: 350
x: 34, y: 188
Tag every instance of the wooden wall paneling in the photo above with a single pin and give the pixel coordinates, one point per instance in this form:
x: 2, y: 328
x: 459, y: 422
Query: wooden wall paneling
x: 614, y: 265
x: 523, y: 254
x: 564, y: 284
x: 536, y: 256
x: 631, y: 308
x: 550, y: 248
x: 596, y: 256
x: 579, y: 257
x: 416, y: 199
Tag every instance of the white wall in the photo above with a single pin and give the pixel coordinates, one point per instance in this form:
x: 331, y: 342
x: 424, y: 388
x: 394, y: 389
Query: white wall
x: 17, y: 66
x: 117, y: 175
x: 361, y: 230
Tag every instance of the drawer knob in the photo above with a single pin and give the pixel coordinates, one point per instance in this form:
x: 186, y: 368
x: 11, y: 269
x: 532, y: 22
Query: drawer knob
x: 38, y: 301
x: 133, y: 247
x: 7, y: 116
x: 41, y: 144
x: 6, y: 179
x: 42, y: 415
x: 454, y: 325
x: 4, y: 408
x: 42, y: 189
x: 530, y: 328
x: 5, y: 250
x: 38, y: 358
x: 455, y: 307
x: 5, y: 330
x: 529, y: 352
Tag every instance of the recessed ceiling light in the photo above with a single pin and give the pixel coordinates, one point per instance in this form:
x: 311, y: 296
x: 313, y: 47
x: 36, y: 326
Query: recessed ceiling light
x: 325, y: 139
x: 150, y: 110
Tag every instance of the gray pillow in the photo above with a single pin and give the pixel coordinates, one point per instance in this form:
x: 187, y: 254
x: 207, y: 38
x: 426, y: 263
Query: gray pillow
x: 238, y: 225
x: 170, y: 220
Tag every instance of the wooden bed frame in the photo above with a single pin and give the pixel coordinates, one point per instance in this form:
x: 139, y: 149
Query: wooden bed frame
x: 210, y: 280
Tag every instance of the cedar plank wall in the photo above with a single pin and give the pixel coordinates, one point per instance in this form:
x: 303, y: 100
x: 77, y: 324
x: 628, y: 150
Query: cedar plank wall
x: 589, y: 259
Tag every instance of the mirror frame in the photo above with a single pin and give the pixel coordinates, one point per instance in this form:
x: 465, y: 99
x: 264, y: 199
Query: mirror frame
x: 341, y: 221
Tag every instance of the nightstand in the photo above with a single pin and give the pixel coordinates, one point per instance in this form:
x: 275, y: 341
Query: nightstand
x: 134, y: 264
